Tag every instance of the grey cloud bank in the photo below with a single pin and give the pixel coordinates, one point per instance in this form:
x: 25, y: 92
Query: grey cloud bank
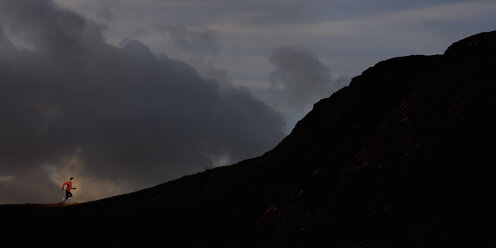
x: 300, y: 76
x: 115, y: 118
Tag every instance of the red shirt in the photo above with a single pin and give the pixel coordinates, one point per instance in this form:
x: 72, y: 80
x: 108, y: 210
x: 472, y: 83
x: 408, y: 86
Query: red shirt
x: 69, y: 185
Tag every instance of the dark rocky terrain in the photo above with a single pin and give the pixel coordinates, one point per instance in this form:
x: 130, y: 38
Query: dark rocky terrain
x: 402, y: 157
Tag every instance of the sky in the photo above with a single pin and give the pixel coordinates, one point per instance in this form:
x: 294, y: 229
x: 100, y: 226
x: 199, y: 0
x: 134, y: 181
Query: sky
x: 126, y: 94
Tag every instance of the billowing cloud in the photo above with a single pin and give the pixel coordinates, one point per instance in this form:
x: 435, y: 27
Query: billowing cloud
x: 116, y: 118
x: 299, y: 78
x: 194, y: 39
x: 200, y: 47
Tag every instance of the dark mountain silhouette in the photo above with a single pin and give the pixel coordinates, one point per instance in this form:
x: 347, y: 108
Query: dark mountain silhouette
x: 402, y: 157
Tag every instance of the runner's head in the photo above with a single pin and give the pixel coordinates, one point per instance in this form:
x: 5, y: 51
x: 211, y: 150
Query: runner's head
x: 72, y: 178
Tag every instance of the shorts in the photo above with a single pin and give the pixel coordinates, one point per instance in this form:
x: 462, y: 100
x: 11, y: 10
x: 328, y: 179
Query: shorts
x: 68, y: 194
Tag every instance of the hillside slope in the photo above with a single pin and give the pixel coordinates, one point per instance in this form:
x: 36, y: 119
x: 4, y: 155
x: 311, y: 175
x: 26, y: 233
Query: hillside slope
x: 403, y: 157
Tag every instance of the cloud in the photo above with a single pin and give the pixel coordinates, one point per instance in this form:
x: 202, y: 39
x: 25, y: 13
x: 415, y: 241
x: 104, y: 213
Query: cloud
x: 356, y: 19
x: 117, y: 118
x: 300, y: 78
x: 194, y: 39
x: 200, y: 47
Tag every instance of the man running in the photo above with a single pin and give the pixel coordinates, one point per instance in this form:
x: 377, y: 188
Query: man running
x: 67, y: 189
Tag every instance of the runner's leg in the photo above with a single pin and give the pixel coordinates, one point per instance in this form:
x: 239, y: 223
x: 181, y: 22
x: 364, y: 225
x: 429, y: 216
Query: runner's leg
x: 67, y: 195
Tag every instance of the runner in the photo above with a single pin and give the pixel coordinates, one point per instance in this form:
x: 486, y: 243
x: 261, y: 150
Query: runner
x: 67, y: 189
